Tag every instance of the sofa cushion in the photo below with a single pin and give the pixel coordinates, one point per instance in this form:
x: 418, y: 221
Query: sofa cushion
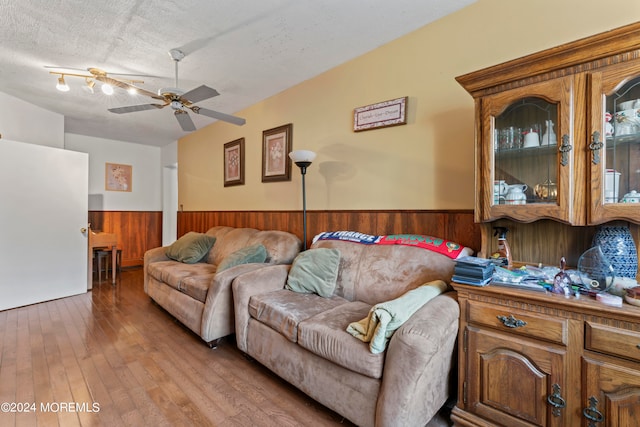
x: 282, y: 310
x: 246, y: 255
x: 173, y: 272
x: 325, y: 336
x: 197, y: 286
x: 191, y: 247
x: 315, y: 271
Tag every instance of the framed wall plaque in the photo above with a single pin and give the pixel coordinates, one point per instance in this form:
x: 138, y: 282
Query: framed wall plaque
x: 382, y: 114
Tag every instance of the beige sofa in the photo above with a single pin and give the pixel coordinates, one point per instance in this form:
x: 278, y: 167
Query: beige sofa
x: 197, y: 295
x: 302, y: 338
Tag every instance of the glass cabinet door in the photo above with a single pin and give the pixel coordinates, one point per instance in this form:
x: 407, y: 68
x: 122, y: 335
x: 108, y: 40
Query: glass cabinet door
x: 526, y: 153
x: 615, y: 145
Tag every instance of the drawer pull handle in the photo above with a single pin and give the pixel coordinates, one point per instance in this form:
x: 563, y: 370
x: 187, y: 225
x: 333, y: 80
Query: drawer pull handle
x: 592, y: 414
x: 512, y: 322
x: 556, y: 400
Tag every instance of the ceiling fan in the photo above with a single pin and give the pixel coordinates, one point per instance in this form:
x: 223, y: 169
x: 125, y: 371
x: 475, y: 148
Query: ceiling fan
x: 181, y: 102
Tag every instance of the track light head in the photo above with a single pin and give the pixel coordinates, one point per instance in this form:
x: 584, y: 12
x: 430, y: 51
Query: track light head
x: 62, y: 86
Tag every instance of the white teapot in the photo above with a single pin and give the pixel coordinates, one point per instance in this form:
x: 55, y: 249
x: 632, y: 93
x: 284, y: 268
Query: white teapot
x: 515, y: 194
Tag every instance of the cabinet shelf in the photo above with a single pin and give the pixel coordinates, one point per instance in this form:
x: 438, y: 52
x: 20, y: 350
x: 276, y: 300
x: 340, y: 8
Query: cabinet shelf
x: 633, y: 138
x: 509, y: 153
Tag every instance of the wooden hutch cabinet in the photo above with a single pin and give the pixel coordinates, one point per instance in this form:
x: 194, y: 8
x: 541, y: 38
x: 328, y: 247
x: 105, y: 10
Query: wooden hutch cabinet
x: 557, y: 153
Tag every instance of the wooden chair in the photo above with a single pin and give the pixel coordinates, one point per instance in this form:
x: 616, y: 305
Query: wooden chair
x: 104, y: 254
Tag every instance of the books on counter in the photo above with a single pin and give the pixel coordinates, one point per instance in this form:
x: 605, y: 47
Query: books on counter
x: 472, y: 261
x: 472, y: 270
x: 471, y: 280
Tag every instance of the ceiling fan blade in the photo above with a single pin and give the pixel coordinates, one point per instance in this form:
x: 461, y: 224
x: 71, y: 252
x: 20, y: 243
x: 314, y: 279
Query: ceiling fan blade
x: 218, y: 115
x: 126, y: 86
x: 199, y: 94
x: 185, y: 121
x: 133, y: 108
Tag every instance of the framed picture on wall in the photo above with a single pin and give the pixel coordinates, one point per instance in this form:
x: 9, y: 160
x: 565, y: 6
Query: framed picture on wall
x: 118, y: 177
x: 276, y: 146
x: 234, y: 162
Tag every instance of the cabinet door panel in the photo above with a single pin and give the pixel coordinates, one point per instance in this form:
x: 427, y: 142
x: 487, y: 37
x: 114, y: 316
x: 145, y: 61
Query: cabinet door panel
x: 617, y: 390
x: 510, y: 378
x: 524, y: 131
x: 614, y: 149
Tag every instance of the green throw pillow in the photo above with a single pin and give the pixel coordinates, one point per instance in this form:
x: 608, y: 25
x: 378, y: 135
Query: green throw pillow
x: 246, y: 255
x: 191, y: 247
x: 315, y: 271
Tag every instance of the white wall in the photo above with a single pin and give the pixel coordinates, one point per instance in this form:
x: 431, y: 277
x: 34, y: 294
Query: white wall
x: 146, y: 194
x: 24, y: 122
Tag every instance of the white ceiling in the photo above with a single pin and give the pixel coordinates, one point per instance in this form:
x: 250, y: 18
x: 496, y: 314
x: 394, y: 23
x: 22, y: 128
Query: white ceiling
x: 247, y: 50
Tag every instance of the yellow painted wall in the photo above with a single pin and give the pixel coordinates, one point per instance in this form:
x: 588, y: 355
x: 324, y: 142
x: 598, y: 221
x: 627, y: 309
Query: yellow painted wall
x: 425, y: 164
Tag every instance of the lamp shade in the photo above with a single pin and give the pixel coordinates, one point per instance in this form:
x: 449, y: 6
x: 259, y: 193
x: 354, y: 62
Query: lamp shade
x: 305, y: 156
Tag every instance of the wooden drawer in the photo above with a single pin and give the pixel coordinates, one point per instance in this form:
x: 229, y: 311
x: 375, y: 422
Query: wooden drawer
x: 614, y: 341
x: 518, y: 322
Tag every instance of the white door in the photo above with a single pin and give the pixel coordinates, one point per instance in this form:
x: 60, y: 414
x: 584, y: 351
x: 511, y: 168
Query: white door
x: 43, y: 207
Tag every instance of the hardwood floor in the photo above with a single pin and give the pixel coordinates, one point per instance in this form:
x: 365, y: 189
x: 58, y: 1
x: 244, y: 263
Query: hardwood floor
x: 111, y: 357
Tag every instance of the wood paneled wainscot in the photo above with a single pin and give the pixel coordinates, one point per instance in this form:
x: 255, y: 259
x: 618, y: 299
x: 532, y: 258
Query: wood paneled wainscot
x: 137, y: 231
x: 454, y: 225
x: 541, y: 359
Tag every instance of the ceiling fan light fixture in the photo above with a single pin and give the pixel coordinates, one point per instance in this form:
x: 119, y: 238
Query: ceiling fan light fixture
x: 107, y: 89
x: 62, y: 86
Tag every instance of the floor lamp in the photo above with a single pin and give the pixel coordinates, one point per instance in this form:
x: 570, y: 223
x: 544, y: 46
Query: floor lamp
x: 302, y: 159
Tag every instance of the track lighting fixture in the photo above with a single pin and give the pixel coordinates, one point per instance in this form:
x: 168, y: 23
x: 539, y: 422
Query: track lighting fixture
x: 94, y: 75
x: 62, y: 85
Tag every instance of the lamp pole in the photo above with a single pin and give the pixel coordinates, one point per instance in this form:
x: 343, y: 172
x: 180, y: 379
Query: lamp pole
x: 302, y: 159
x: 303, y: 171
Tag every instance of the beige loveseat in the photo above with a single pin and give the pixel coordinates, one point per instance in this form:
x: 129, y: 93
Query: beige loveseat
x: 302, y: 338
x: 199, y: 296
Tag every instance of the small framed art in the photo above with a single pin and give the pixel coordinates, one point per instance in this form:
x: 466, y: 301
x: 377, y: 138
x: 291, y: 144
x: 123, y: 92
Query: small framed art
x: 117, y: 177
x: 276, y: 146
x: 234, y: 163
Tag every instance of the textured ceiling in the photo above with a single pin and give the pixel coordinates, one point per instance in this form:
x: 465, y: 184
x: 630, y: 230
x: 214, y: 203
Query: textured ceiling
x: 247, y: 50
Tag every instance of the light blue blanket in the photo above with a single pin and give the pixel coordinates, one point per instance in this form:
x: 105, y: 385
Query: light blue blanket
x: 384, y: 318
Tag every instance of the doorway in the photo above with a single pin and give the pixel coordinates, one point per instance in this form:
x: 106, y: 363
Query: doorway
x: 169, y: 204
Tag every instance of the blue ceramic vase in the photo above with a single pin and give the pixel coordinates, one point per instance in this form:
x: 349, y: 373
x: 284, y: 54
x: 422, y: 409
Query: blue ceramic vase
x: 619, y: 248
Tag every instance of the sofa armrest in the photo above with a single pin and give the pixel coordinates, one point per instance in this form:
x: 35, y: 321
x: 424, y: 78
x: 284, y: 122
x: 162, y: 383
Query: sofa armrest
x: 153, y: 255
x: 217, y: 315
x: 418, y: 366
x: 261, y: 281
